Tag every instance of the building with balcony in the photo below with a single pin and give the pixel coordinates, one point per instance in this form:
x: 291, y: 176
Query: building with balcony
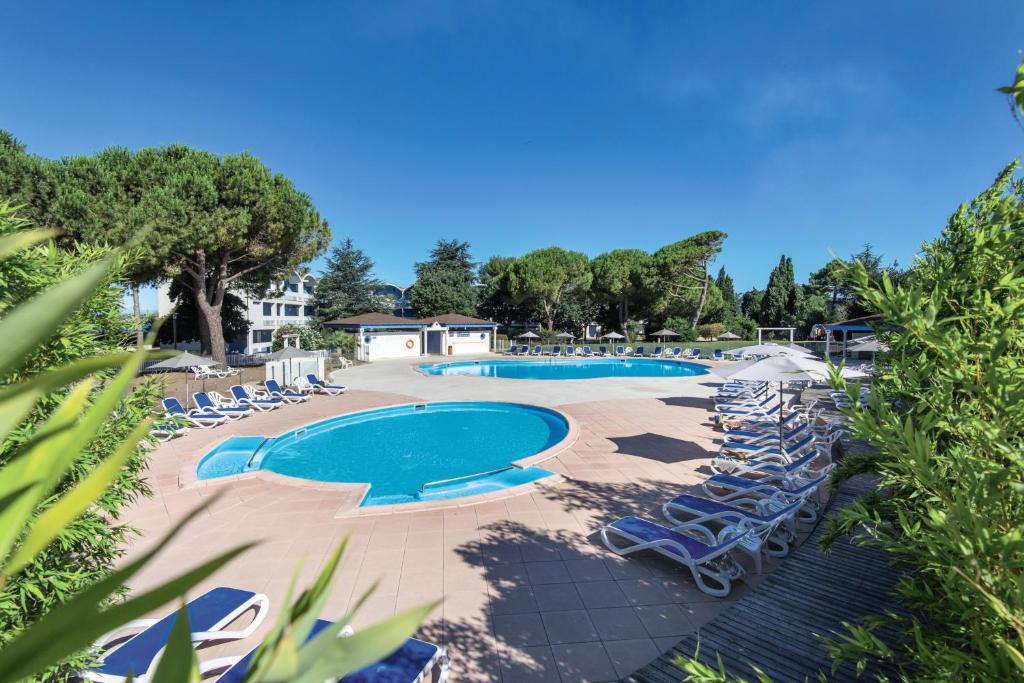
x: 286, y: 302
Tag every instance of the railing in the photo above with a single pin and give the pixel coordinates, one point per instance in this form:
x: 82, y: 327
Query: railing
x: 467, y: 477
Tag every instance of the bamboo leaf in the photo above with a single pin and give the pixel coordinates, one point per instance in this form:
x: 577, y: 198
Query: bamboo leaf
x: 73, y: 503
x: 178, y: 661
x: 16, y: 400
x: 35, y: 465
x: 328, y: 656
x: 33, y: 322
x: 23, y: 239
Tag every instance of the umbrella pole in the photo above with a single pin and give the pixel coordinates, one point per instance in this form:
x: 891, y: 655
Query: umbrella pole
x: 782, y: 403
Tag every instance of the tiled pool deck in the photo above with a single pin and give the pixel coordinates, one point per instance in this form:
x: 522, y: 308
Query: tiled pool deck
x: 529, y: 592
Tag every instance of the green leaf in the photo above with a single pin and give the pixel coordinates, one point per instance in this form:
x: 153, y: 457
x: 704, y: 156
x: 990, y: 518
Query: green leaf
x: 79, y: 621
x: 36, y: 465
x: 16, y: 400
x: 178, y: 661
x: 23, y: 239
x: 75, y: 501
x: 55, y: 449
x: 35, y: 321
x: 327, y: 656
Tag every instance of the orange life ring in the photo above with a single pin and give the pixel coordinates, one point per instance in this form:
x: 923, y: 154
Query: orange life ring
x: 409, y: 343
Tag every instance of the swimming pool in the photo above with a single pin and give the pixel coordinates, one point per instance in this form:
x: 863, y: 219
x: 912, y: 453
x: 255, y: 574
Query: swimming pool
x: 567, y: 368
x: 406, y: 453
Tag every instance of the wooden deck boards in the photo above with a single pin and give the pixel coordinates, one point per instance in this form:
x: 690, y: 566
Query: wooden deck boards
x: 775, y: 627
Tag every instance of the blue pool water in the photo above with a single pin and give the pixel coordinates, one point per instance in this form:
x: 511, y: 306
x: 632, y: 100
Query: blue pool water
x: 405, y: 453
x: 567, y: 368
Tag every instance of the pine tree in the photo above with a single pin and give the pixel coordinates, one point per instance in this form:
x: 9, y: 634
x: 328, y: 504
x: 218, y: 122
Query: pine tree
x: 348, y: 286
x: 780, y: 297
x: 445, y: 282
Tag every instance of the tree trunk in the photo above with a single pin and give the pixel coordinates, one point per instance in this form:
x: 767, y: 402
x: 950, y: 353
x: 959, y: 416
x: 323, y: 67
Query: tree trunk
x: 700, y: 302
x: 137, y: 314
x: 623, y: 314
x: 211, y: 331
x: 208, y: 294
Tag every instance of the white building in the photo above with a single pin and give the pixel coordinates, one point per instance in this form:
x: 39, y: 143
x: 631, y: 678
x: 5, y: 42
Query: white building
x: 381, y: 336
x: 286, y: 302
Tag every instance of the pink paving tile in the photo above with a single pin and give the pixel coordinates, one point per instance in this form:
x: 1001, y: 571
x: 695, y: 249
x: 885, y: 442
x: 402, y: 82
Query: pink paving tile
x: 514, y: 567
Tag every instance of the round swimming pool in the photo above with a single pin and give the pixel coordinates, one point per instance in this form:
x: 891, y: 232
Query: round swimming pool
x: 406, y: 453
x: 567, y: 368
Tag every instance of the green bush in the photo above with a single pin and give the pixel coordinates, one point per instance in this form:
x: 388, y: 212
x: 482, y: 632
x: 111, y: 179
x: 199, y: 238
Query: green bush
x: 710, y: 331
x: 947, y: 418
x: 682, y: 326
x: 309, y: 337
x: 87, y: 548
x: 340, y: 342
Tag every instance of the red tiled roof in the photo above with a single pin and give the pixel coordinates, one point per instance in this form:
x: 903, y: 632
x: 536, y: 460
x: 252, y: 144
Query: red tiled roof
x: 454, y: 319
x: 373, y: 319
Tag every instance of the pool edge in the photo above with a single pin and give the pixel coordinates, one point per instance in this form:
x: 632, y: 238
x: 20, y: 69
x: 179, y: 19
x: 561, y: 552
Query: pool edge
x: 188, y: 477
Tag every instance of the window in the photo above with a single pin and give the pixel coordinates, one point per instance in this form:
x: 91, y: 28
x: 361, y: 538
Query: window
x: 292, y: 287
x: 268, y: 309
x: 291, y: 310
x: 262, y: 336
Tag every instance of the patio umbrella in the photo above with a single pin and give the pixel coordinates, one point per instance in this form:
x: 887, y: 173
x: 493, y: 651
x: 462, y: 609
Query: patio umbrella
x: 288, y: 353
x: 184, y: 360
x: 728, y: 335
x: 782, y: 369
x: 766, y: 350
x: 665, y: 333
x: 529, y: 335
x: 613, y: 335
x: 565, y: 335
x: 801, y: 349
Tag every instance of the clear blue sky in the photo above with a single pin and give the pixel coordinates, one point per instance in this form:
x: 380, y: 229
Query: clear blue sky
x: 794, y: 127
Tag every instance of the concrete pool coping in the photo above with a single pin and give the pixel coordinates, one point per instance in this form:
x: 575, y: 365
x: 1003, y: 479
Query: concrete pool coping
x: 189, y: 479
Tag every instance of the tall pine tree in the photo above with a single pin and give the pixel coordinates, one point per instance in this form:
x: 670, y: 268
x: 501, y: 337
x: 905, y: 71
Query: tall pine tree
x: 348, y: 286
x: 778, y: 307
x: 444, y: 283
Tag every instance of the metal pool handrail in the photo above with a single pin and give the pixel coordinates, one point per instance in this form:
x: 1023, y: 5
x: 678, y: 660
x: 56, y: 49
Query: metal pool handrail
x: 252, y: 457
x: 439, y: 482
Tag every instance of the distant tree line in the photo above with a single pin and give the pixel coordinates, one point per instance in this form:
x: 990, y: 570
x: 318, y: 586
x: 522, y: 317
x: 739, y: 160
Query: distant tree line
x: 623, y: 289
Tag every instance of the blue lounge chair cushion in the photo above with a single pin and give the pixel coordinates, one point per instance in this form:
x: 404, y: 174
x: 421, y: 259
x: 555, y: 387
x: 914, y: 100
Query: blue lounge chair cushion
x: 206, y: 404
x: 274, y: 388
x: 204, y: 613
x: 313, y: 379
x: 741, y: 446
x: 403, y: 665
x: 731, y: 481
x: 239, y: 394
x: 649, y: 532
x: 713, y: 507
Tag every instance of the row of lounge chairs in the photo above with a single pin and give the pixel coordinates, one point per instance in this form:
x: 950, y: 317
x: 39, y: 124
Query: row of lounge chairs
x: 761, y: 490
x: 210, y: 372
x: 617, y: 351
x: 133, y: 651
x: 213, y: 408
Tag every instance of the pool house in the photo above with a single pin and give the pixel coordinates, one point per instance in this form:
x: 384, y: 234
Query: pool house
x: 382, y: 336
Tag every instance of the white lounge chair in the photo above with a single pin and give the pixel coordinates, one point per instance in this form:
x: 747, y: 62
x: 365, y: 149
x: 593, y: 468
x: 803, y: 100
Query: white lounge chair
x: 275, y: 391
x: 137, y: 657
x: 243, y: 397
x: 807, y: 491
x: 706, y: 557
x: 323, y: 387
x: 772, y: 521
x: 413, y: 662
x: 194, y: 418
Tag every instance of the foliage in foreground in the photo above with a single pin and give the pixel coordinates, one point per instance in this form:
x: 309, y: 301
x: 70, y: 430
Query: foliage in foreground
x: 51, y: 422
x: 947, y: 417
x: 87, y: 547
